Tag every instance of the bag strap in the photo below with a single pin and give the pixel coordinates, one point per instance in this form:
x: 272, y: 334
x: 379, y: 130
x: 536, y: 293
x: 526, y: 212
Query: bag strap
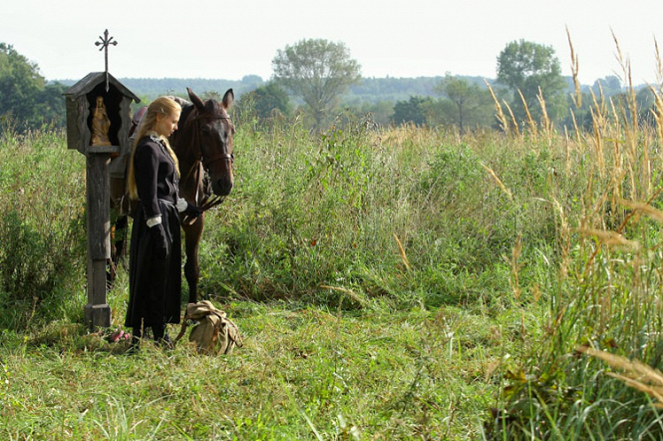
x: 182, y: 331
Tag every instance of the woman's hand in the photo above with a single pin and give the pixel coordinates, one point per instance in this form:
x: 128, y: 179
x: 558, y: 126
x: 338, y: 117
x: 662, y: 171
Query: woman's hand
x: 192, y: 211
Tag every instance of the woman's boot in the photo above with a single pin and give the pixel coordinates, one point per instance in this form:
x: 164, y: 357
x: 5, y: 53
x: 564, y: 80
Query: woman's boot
x: 161, y: 337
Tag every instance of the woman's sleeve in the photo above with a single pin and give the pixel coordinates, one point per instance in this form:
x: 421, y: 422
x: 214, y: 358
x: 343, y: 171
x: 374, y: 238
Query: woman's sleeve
x: 146, y: 167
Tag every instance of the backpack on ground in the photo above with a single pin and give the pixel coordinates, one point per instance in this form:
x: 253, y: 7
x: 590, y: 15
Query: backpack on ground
x: 214, y: 332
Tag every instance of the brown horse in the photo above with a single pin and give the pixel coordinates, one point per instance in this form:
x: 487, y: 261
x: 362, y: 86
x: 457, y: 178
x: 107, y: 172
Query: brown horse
x: 203, y: 144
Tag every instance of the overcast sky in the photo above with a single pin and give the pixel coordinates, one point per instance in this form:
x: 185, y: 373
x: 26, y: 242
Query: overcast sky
x: 405, y: 38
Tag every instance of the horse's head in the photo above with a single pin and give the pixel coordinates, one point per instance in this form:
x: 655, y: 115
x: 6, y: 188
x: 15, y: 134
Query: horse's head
x: 214, y: 132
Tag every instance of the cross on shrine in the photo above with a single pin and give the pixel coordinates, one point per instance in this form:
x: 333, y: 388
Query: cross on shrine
x: 104, y: 43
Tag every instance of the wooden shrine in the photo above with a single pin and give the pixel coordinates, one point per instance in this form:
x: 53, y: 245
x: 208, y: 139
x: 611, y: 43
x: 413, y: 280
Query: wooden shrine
x: 98, y: 122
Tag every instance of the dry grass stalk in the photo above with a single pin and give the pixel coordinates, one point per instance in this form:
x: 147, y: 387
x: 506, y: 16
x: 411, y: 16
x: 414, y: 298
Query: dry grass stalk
x: 597, y: 139
x: 598, y: 111
x: 618, y: 55
x: 353, y: 295
x: 567, y: 147
x: 659, y: 64
x: 599, y: 125
x: 516, y: 126
x: 530, y: 120
x: 536, y: 293
x: 513, y: 262
x: 498, y: 181
x: 647, y: 209
x: 625, y: 222
x: 609, y: 238
x: 575, y: 127
x: 636, y: 374
x: 577, y: 98
x: 545, y: 121
x: 630, y: 94
x: 628, y: 113
x: 645, y: 175
x: 623, y: 157
x: 401, y: 250
x: 565, y: 239
x: 504, y: 123
x: 593, y: 210
x: 657, y: 111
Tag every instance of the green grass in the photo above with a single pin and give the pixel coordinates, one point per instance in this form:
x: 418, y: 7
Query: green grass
x: 389, y: 283
x: 302, y: 371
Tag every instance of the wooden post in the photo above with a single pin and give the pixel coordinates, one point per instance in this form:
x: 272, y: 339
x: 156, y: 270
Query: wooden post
x: 97, y: 311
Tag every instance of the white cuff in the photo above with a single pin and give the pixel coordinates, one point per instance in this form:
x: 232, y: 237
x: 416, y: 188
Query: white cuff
x: 181, y: 204
x: 156, y: 220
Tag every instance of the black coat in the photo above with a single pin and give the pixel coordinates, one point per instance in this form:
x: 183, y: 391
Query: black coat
x: 155, y: 283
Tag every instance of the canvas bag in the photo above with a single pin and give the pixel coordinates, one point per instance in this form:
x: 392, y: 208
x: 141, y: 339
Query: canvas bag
x: 214, y: 333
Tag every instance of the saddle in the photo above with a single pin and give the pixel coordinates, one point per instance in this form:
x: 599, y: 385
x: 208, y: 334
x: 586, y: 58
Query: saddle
x: 214, y: 332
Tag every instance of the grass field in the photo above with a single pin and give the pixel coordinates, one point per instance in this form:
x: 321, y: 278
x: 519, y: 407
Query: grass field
x: 401, y: 283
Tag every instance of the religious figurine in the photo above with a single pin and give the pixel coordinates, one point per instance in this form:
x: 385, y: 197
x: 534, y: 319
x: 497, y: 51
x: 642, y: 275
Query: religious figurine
x: 100, y: 124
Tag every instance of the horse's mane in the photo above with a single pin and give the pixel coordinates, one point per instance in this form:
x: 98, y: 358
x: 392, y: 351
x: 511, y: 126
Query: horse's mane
x: 186, y: 111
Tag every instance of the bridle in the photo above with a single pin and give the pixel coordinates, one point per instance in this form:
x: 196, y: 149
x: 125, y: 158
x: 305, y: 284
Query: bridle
x: 197, y: 146
x: 206, y: 161
x: 202, y: 159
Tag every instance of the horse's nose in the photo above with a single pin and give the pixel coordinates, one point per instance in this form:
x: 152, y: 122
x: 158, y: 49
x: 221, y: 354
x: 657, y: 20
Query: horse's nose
x: 222, y: 187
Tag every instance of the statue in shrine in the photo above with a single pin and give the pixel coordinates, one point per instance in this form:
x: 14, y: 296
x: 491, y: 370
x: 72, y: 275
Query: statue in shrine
x: 100, y: 124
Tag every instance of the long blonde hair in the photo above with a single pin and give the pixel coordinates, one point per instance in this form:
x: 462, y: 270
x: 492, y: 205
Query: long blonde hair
x: 160, y: 106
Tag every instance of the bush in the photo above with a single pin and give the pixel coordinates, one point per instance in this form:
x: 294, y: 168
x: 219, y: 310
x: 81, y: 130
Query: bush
x: 42, y: 235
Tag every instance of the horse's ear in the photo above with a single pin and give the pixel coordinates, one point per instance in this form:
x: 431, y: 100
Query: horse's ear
x: 195, y: 100
x: 228, y: 99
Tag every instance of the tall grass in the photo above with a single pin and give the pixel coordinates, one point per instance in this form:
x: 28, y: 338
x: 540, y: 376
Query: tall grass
x: 604, y: 289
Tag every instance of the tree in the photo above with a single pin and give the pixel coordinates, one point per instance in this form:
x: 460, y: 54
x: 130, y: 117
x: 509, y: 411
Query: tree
x: 646, y: 102
x: 20, y: 83
x: 51, y: 109
x: 252, y: 81
x: 380, y: 112
x: 527, y: 67
x: 471, y: 104
x: 318, y: 71
x: 610, y: 85
x: 268, y: 99
x: 25, y: 98
x: 415, y: 110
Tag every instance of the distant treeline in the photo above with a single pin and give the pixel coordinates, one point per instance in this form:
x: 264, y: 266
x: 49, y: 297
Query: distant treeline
x: 422, y: 100
x: 401, y: 89
x: 150, y: 88
x: 369, y: 90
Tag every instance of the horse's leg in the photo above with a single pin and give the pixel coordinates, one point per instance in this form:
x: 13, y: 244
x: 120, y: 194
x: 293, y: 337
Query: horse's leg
x: 192, y: 235
x: 119, y: 222
x: 120, y: 229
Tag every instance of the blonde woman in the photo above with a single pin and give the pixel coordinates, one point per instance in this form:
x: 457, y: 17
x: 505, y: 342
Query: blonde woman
x: 155, y: 276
